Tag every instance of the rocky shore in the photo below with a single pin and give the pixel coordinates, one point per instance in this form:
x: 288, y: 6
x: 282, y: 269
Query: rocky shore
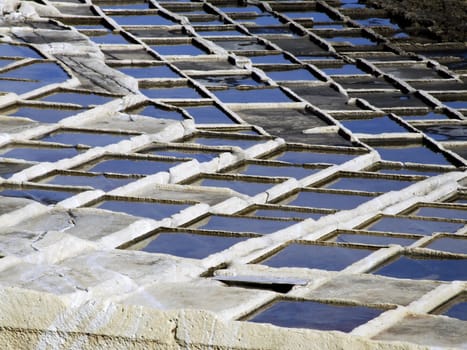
x: 442, y: 20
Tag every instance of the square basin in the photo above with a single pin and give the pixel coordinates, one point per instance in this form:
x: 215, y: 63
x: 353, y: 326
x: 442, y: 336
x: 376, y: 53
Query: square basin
x: 269, y: 59
x: 92, y: 139
x: 248, y: 187
x: 180, y: 49
x: 149, y: 71
x: 370, y: 239
x: 152, y: 210
x: 390, y: 100
x: 314, y: 15
x: 209, y: 115
x: 313, y: 256
x: 230, y: 81
x: 424, y: 116
x: 329, y: 200
x: 19, y: 86
x: 345, y: 69
x: 272, y: 211
x: 173, y: 92
x: 310, y: 157
x: 253, y: 169
x: 186, y: 244
x: 260, y: 95
x: 425, y: 268
x: 107, y: 38
x: 240, y: 44
x: 445, y: 132
x: 413, y: 154
x: 7, y: 169
x: 182, y: 153
x: 440, y: 212
x: 124, y: 5
x: 41, y: 114
x: 142, y: 20
x: 38, y: 154
x: 456, y: 308
x: 352, y: 40
x: 44, y: 72
x: 323, y: 96
x: 290, y: 74
x: 97, y: 181
x: 242, y: 224
x: 315, y: 315
x: 413, y: 225
x: 8, y: 50
x: 154, y: 111
x: 377, y: 22
x: 456, y: 245
x: 368, y: 184
x: 211, y: 140
x: 43, y: 196
x: 376, y: 125
x: 130, y: 166
x: 83, y: 99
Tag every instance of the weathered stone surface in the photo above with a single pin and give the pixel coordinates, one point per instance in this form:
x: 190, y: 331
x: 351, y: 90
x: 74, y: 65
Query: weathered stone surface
x: 226, y: 302
x: 13, y: 125
x: 372, y: 290
x: 95, y: 75
x: 193, y: 193
x: 8, y: 204
x: 128, y: 122
x: 85, y: 223
x: 433, y: 330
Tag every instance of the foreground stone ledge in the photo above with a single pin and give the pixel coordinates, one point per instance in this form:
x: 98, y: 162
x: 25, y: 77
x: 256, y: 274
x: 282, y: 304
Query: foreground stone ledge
x: 98, y: 325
